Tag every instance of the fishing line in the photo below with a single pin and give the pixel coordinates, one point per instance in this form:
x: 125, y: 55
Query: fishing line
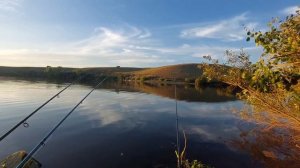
x: 25, y: 124
x: 177, y: 128
x: 43, y: 141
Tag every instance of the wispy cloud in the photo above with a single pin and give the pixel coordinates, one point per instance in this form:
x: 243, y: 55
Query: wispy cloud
x: 105, y: 47
x: 10, y: 5
x: 108, y: 41
x: 290, y: 10
x: 120, y: 47
x: 227, y: 30
x: 127, y: 46
x: 198, y: 51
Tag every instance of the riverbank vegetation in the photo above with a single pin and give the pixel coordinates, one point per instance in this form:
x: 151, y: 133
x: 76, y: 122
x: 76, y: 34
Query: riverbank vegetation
x: 185, y: 74
x: 272, y: 84
x: 63, y: 73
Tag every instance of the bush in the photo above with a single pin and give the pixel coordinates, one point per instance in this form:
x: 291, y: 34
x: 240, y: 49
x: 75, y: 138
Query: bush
x: 162, y: 79
x: 189, y: 80
x: 142, y: 79
x: 201, y: 81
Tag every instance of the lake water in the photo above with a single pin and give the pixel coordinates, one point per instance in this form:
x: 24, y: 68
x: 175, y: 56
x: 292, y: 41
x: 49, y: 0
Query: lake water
x: 128, y: 126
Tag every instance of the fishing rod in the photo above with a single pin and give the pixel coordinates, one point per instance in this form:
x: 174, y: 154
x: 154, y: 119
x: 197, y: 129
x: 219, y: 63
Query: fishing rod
x: 36, y: 110
x: 43, y: 141
x: 177, y: 129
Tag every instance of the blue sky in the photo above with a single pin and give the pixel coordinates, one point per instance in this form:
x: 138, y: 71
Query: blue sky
x: 139, y: 33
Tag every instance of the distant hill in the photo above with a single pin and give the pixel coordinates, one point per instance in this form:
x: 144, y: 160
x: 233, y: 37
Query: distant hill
x: 110, y: 70
x: 22, y: 71
x: 179, y: 71
x: 41, y: 71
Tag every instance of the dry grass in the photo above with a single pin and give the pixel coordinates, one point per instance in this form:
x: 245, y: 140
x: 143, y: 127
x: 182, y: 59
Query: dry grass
x: 179, y: 71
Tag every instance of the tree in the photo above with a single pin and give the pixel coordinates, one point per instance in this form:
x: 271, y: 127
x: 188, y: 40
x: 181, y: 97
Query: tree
x: 273, y: 83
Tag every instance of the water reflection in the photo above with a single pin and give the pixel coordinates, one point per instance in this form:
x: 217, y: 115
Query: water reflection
x: 125, y: 125
x: 273, y: 147
x: 185, y: 92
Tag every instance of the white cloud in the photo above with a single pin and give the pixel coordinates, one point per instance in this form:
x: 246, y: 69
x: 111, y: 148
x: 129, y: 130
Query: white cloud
x: 125, y: 46
x: 226, y: 30
x: 198, y: 51
x: 117, y: 54
x: 104, y: 39
x: 105, y: 47
x: 10, y: 5
x: 290, y: 10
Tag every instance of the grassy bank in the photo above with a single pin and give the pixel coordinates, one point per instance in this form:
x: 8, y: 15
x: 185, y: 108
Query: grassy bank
x: 191, y: 74
x: 61, y: 73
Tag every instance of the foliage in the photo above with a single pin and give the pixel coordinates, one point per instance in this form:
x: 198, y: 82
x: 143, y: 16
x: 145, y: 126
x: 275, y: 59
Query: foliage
x: 185, y: 163
x: 162, y: 79
x: 194, y: 164
x: 279, y: 66
x: 189, y: 80
x: 181, y: 154
x: 60, y: 73
x: 273, y: 83
x: 22, y: 71
x: 53, y: 71
x: 137, y: 78
x: 142, y: 79
x: 200, y: 81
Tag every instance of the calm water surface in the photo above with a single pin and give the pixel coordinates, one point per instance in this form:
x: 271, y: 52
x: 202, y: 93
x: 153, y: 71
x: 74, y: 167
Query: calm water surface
x: 122, y: 126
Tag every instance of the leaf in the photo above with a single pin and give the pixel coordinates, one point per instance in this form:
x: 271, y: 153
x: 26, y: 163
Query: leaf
x: 269, y: 154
